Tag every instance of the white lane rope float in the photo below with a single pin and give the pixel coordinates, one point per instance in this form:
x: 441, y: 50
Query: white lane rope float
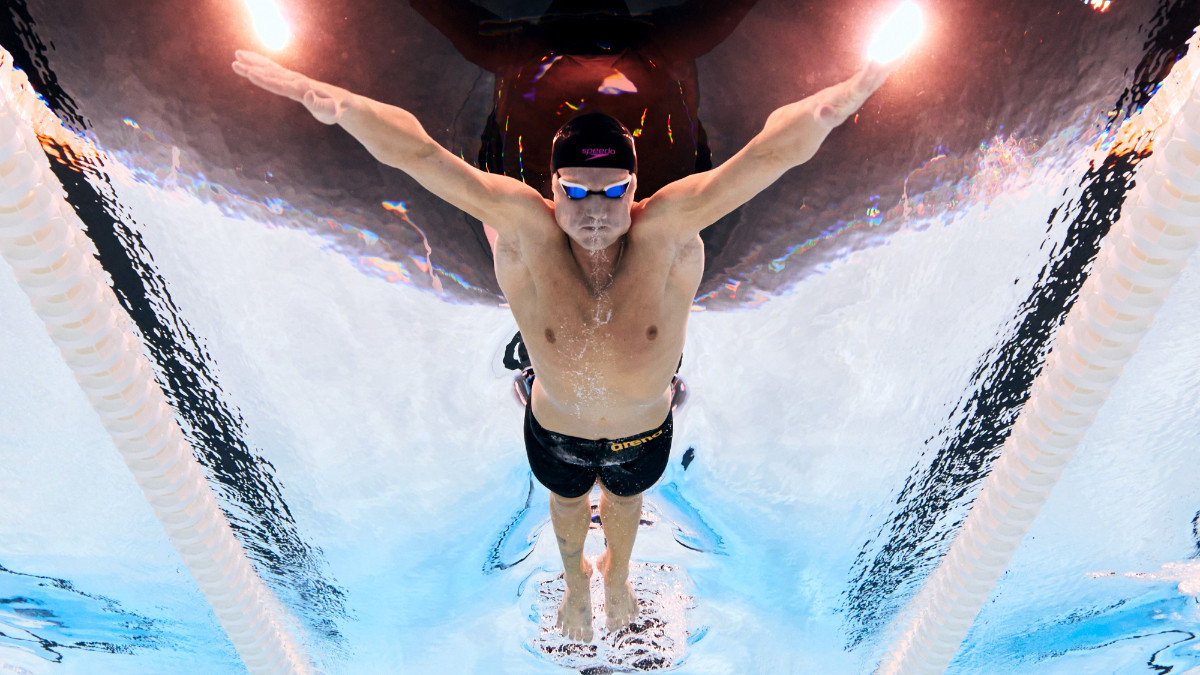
x: 1140, y: 259
x: 41, y: 238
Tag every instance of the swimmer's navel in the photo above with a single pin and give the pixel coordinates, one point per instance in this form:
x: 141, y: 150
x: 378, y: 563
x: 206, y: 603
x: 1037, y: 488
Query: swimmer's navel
x: 550, y: 336
x: 651, y: 332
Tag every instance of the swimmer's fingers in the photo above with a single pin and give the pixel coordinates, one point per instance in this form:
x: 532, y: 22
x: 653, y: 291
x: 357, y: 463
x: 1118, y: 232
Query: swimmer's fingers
x: 838, y: 102
x: 245, y: 57
x: 321, y: 100
x: 270, y: 75
x: 873, y: 76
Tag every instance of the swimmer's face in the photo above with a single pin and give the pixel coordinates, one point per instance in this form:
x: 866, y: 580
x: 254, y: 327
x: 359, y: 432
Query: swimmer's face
x: 595, y: 222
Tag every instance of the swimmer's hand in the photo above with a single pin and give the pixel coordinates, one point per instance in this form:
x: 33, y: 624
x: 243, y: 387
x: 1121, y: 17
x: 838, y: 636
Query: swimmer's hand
x: 325, y: 101
x: 835, y: 104
x: 794, y: 133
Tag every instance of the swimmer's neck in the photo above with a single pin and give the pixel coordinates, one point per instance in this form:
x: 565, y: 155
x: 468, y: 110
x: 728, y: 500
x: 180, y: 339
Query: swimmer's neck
x: 598, y: 267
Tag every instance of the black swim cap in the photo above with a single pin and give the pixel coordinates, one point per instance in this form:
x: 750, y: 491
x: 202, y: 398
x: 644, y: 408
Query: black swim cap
x: 594, y: 139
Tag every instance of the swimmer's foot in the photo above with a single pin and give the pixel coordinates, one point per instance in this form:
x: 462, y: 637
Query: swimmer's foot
x: 620, y: 601
x: 575, y: 612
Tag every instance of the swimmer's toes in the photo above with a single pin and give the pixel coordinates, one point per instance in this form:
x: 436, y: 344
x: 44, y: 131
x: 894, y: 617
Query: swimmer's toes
x: 621, y: 607
x: 580, y: 633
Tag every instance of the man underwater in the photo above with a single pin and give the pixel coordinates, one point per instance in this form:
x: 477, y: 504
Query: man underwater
x: 600, y: 285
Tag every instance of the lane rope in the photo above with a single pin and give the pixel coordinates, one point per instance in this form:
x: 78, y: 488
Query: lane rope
x: 53, y: 261
x: 1140, y: 259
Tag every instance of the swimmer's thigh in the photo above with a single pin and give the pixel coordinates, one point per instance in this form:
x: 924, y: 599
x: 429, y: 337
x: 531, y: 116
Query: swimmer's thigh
x: 561, y: 478
x: 636, y: 476
x: 564, y: 480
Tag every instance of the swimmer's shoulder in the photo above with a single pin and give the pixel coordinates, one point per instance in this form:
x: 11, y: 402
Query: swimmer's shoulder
x: 663, y: 224
x: 531, y: 236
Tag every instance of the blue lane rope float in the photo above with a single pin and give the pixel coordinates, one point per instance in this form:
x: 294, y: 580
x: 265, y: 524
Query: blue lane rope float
x: 1140, y: 259
x: 42, y: 240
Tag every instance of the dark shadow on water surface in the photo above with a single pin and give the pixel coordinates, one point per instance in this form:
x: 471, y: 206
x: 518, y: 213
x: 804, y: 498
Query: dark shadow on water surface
x: 1116, y: 630
x: 934, y: 499
x: 49, y: 617
x: 245, y: 482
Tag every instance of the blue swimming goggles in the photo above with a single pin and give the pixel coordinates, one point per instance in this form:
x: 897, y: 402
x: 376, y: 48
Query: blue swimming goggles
x: 614, y: 191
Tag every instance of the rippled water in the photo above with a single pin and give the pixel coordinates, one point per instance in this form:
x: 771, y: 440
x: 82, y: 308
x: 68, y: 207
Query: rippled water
x: 879, y: 332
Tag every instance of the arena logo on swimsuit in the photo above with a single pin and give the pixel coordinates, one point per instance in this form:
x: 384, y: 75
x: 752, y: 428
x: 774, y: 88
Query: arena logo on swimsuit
x: 635, y: 442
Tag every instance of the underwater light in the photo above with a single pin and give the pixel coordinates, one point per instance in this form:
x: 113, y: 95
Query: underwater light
x: 272, y: 28
x: 900, y: 32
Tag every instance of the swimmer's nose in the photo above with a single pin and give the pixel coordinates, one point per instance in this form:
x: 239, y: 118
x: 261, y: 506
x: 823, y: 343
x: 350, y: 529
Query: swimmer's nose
x: 595, y: 207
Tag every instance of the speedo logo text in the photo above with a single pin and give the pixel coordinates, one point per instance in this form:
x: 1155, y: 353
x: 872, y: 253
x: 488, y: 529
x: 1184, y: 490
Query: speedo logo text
x: 597, y: 153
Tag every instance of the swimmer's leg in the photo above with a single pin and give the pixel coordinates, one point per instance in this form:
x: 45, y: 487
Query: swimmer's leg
x: 570, y: 517
x: 620, y: 517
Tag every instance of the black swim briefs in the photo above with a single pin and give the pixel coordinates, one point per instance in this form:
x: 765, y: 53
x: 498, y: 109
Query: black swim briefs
x: 568, y: 466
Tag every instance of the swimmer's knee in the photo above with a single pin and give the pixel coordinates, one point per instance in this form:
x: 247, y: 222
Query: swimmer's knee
x: 569, y: 501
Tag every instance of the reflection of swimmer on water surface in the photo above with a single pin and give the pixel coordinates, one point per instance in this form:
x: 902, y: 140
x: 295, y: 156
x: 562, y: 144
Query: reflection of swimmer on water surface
x: 591, y: 56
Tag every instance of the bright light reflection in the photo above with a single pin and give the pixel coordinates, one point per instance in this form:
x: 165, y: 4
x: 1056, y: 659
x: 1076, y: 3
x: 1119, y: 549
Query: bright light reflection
x: 269, y: 22
x: 897, y: 34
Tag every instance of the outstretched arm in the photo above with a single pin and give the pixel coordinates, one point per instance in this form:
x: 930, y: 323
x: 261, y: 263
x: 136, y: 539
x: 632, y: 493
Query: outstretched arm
x: 395, y: 137
x: 790, y: 137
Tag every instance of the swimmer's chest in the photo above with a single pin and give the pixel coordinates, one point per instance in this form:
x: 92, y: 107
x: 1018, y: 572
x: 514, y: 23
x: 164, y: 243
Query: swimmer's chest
x: 640, y: 316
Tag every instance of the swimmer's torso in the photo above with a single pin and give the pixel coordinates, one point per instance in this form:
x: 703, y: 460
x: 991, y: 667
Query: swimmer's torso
x: 604, y: 361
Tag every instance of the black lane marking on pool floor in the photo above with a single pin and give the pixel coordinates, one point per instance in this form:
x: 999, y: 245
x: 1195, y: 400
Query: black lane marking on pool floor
x: 245, y: 482
x: 937, y: 494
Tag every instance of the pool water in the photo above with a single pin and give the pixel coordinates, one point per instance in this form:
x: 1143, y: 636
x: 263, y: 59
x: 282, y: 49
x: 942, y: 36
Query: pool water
x: 845, y: 399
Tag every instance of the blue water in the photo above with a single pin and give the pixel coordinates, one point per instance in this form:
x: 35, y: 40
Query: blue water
x: 370, y: 451
x: 405, y: 478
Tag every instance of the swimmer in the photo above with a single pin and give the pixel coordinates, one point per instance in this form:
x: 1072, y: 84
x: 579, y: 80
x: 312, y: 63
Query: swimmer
x: 601, y: 286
